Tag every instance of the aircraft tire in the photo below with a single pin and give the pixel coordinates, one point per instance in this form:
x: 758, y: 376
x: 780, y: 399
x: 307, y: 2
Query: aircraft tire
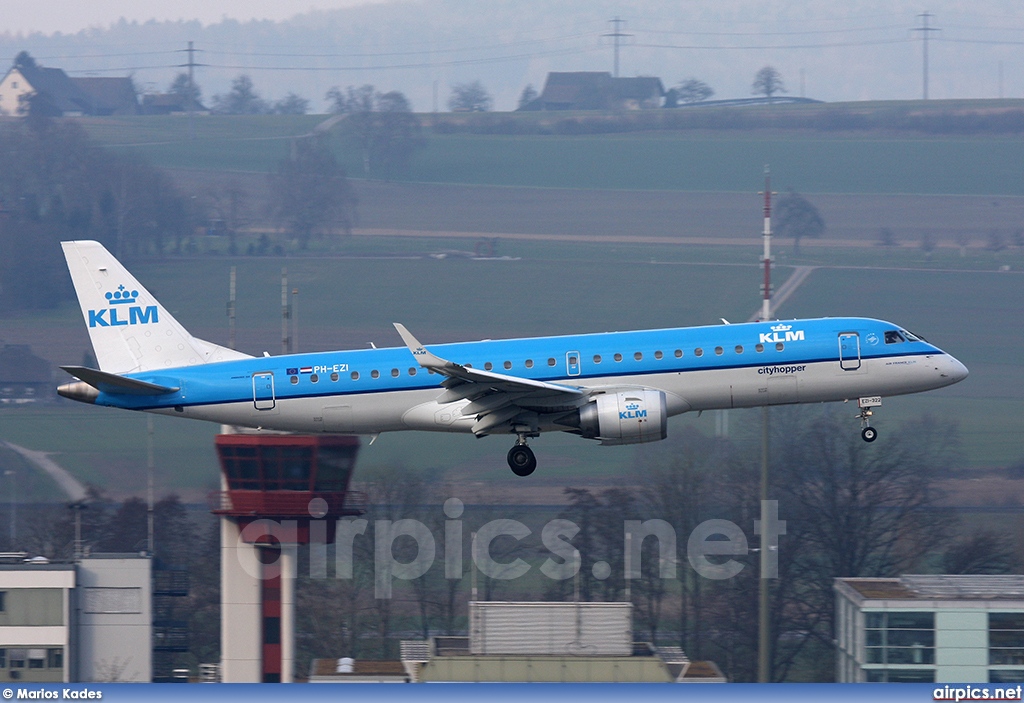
x: 869, y: 434
x: 522, y: 460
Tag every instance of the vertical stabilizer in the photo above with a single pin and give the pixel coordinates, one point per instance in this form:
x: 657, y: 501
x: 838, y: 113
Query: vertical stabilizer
x: 129, y: 329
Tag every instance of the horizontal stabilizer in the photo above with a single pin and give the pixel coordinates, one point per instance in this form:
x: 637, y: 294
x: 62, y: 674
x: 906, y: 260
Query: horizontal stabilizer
x: 112, y: 383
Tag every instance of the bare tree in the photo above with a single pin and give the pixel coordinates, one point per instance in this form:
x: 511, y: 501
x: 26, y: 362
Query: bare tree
x: 797, y: 217
x: 768, y: 82
x: 312, y: 195
x: 242, y: 99
x: 693, y: 90
x: 470, y: 97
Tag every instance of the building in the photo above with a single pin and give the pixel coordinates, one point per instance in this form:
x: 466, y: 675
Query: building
x: 87, y: 621
x: 550, y: 642
x: 61, y: 96
x: 598, y: 90
x: 930, y: 629
x: 24, y: 377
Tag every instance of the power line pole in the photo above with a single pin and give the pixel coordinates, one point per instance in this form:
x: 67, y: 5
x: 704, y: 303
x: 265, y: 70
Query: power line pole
x: 925, y: 31
x: 616, y: 35
x: 190, y: 100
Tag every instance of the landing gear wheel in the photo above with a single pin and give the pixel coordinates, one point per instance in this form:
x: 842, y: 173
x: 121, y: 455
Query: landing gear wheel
x: 521, y: 460
x: 869, y: 434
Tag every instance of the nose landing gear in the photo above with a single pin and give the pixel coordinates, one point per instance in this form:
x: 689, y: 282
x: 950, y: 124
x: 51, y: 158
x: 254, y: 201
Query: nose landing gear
x: 521, y: 458
x: 867, y: 432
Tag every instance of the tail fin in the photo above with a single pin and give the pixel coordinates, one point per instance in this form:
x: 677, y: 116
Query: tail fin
x: 129, y: 329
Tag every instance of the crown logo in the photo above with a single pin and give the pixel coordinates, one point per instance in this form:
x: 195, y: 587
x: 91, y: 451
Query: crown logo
x: 122, y: 296
x: 633, y: 406
x: 781, y: 328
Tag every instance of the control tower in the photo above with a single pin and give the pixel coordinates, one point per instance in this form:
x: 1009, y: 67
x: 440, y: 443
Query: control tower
x: 274, y: 489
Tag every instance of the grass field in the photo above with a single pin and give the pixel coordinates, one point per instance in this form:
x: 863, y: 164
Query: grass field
x: 685, y: 160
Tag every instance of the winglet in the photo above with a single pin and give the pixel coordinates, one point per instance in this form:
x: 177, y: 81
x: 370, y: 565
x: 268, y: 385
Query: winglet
x: 423, y: 357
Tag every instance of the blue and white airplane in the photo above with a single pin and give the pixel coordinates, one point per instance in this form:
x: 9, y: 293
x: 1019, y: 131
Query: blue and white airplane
x: 614, y: 387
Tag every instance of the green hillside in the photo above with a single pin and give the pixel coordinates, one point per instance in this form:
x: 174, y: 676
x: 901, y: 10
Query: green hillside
x: 689, y: 160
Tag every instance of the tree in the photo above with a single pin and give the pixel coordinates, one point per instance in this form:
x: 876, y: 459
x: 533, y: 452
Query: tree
x: 528, y: 95
x: 291, y: 104
x: 768, y: 82
x: 352, y: 100
x: 470, y: 97
x: 186, y: 89
x: 242, y: 99
x: 693, y: 90
x: 381, y: 125
x: 798, y: 218
x: 312, y: 195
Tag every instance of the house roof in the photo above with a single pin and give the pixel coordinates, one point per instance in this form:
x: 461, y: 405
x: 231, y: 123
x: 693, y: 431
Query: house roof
x: 590, y: 90
x: 967, y: 587
x: 19, y: 365
x: 55, y: 85
x: 109, y: 95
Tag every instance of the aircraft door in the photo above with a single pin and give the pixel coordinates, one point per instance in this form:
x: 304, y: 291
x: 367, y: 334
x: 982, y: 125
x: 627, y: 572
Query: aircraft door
x: 263, y: 390
x: 572, y: 363
x: 849, y: 351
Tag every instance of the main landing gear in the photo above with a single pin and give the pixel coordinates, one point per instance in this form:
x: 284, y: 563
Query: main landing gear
x: 867, y: 432
x: 521, y: 458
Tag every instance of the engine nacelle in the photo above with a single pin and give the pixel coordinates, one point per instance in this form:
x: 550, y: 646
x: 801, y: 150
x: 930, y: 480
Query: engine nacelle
x: 625, y: 417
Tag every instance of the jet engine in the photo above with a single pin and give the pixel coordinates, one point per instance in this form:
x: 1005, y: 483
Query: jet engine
x: 624, y: 417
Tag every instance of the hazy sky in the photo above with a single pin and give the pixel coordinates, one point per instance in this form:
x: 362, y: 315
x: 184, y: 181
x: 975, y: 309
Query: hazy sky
x: 68, y: 16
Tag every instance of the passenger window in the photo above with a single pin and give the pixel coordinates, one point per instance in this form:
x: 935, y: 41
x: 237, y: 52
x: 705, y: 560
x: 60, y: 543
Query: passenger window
x: 698, y: 352
x: 658, y: 355
x: 355, y: 375
x: 739, y: 348
x: 375, y: 374
x: 719, y: 351
x: 679, y: 353
x: 551, y: 362
x: 412, y: 370
x: 573, y: 361
x: 779, y: 346
x: 759, y: 348
x: 529, y: 363
x: 597, y: 358
x: 638, y: 356
x: 507, y: 364
x: 488, y: 366
x: 314, y: 378
x: 294, y: 380
x: 894, y: 337
x: 469, y: 366
x: 394, y: 373
x: 618, y: 357
x: 334, y: 376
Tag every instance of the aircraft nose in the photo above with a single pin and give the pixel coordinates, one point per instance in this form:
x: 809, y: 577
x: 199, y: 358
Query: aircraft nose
x: 954, y: 370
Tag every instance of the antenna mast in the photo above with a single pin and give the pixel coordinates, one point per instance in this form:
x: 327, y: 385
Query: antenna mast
x: 766, y: 287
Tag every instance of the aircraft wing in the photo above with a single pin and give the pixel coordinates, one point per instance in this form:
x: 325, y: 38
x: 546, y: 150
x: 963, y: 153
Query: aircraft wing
x: 496, y: 399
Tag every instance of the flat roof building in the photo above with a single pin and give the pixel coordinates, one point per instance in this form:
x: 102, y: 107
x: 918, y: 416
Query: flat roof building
x: 87, y: 621
x: 926, y: 629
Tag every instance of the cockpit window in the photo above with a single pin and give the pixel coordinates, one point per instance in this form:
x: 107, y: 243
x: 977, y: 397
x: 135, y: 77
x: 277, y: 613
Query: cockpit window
x: 912, y: 337
x: 894, y: 337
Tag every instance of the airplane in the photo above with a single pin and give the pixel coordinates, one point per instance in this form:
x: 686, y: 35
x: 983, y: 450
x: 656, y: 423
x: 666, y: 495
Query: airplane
x: 615, y: 387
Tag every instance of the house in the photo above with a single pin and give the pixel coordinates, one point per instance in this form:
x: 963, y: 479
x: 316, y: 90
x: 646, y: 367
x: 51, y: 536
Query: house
x: 24, y: 377
x: 61, y: 96
x: 109, y: 96
x: 930, y: 629
x: 598, y: 90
